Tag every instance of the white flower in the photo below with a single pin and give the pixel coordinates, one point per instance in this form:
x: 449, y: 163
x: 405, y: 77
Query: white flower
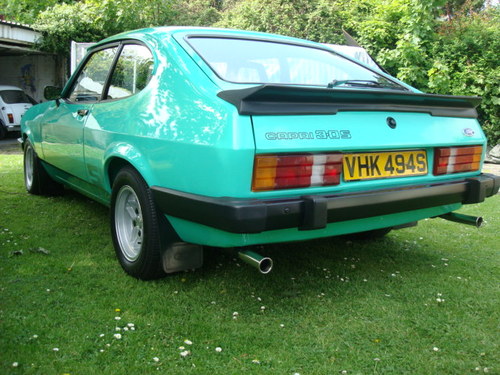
x: 436, y: 349
x: 256, y: 361
x: 235, y: 314
x: 376, y: 359
x: 185, y: 353
x: 188, y: 342
x: 218, y: 349
x: 181, y: 348
x: 15, y: 364
x: 125, y: 328
x: 130, y: 325
x: 132, y: 328
x: 101, y: 335
x: 156, y: 359
x: 101, y: 350
x: 35, y: 336
x: 117, y: 318
x: 117, y: 336
x: 282, y: 325
x: 56, y: 349
x: 343, y: 372
x: 263, y: 308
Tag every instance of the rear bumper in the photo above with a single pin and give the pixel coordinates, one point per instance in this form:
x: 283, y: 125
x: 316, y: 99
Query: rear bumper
x: 316, y: 211
x: 13, y: 128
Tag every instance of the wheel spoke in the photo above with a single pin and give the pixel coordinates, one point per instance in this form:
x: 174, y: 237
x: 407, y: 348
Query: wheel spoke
x: 129, y: 223
x: 131, y: 211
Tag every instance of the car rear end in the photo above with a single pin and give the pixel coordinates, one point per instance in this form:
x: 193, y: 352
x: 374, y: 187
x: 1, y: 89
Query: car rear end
x: 13, y: 104
x: 339, y: 148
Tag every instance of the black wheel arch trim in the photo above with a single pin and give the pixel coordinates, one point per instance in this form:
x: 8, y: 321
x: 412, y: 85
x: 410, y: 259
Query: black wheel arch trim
x: 316, y: 211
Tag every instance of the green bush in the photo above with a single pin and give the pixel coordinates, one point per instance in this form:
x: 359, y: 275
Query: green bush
x: 466, y: 63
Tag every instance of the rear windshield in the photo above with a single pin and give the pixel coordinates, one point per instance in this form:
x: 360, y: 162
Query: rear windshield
x: 257, y: 61
x: 14, y: 96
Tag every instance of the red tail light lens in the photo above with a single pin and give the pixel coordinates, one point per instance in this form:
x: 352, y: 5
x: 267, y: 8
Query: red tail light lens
x: 449, y: 160
x: 275, y: 172
x: 10, y: 116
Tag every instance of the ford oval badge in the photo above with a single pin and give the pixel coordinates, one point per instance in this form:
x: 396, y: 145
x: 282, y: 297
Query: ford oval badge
x: 468, y: 132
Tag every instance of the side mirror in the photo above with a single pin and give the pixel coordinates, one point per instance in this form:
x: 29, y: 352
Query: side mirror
x: 52, y: 92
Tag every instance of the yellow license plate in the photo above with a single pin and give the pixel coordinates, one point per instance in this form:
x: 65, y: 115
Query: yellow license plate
x: 373, y: 165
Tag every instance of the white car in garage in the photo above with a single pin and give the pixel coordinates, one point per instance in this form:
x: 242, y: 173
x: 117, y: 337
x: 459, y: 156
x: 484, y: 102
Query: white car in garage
x: 13, y: 104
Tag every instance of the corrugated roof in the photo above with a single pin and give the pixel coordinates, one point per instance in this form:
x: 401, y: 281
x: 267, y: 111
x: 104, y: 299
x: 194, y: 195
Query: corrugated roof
x: 16, y: 24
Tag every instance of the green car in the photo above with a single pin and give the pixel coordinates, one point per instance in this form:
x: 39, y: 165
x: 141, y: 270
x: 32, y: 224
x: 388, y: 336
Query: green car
x: 225, y: 138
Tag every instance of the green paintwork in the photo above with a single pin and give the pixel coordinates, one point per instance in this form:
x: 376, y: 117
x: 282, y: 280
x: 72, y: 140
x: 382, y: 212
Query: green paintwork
x: 178, y: 134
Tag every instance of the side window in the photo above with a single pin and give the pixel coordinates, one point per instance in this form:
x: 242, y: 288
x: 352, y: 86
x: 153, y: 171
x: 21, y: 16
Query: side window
x: 132, y: 73
x: 91, y: 80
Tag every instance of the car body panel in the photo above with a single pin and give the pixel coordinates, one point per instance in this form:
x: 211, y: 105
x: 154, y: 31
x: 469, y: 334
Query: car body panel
x: 62, y: 137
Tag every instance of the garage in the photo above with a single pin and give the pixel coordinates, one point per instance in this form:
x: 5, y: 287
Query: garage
x: 22, y: 65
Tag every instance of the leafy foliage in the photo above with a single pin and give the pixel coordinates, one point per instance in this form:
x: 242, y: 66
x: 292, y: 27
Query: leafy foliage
x: 466, y: 63
x: 26, y: 11
x: 92, y: 20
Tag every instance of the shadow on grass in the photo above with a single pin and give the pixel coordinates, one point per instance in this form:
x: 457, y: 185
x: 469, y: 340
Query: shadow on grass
x: 334, y: 264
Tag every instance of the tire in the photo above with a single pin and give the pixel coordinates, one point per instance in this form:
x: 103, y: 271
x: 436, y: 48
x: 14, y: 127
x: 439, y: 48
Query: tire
x: 135, y: 226
x: 3, y: 131
x: 36, y: 179
x: 369, y: 234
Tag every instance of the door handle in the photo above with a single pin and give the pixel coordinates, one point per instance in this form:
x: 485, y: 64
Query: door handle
x: 82, y: 112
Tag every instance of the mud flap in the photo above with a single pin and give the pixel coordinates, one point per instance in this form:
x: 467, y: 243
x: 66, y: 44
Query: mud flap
x: 181, y: 256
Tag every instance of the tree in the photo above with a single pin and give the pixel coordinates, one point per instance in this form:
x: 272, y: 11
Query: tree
x: 466, y: 63
x: 26, y: 11
x: 92, y: 20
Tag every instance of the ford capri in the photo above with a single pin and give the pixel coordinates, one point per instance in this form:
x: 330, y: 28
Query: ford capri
x: 208, y: 137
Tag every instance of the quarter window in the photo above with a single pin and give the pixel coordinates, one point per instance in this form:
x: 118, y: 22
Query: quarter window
x: 91, y: 80
x: 132, y: 73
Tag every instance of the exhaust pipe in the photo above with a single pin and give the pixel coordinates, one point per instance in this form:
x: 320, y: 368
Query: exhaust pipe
x: 476, y: 221
x: 263, y: 264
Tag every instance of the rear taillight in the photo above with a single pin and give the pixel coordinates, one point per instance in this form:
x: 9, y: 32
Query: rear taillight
x: 275, y: 172
x: 457, y: 159
x: 10, y: 116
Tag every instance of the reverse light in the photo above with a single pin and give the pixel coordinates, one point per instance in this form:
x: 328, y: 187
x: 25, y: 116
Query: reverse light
x: 288, y: 171
x: 457, y: 159
x: 10, y: 116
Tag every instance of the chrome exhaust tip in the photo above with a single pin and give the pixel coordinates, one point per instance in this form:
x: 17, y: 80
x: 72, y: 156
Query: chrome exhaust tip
x: 476, y: 221
x: 263, y: 264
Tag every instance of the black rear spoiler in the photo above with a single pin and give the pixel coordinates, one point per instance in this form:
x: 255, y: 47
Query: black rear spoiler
x: 295, y: 100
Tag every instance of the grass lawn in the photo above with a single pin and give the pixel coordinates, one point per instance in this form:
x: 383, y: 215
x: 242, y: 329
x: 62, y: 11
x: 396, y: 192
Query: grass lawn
x: 423, y: 300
